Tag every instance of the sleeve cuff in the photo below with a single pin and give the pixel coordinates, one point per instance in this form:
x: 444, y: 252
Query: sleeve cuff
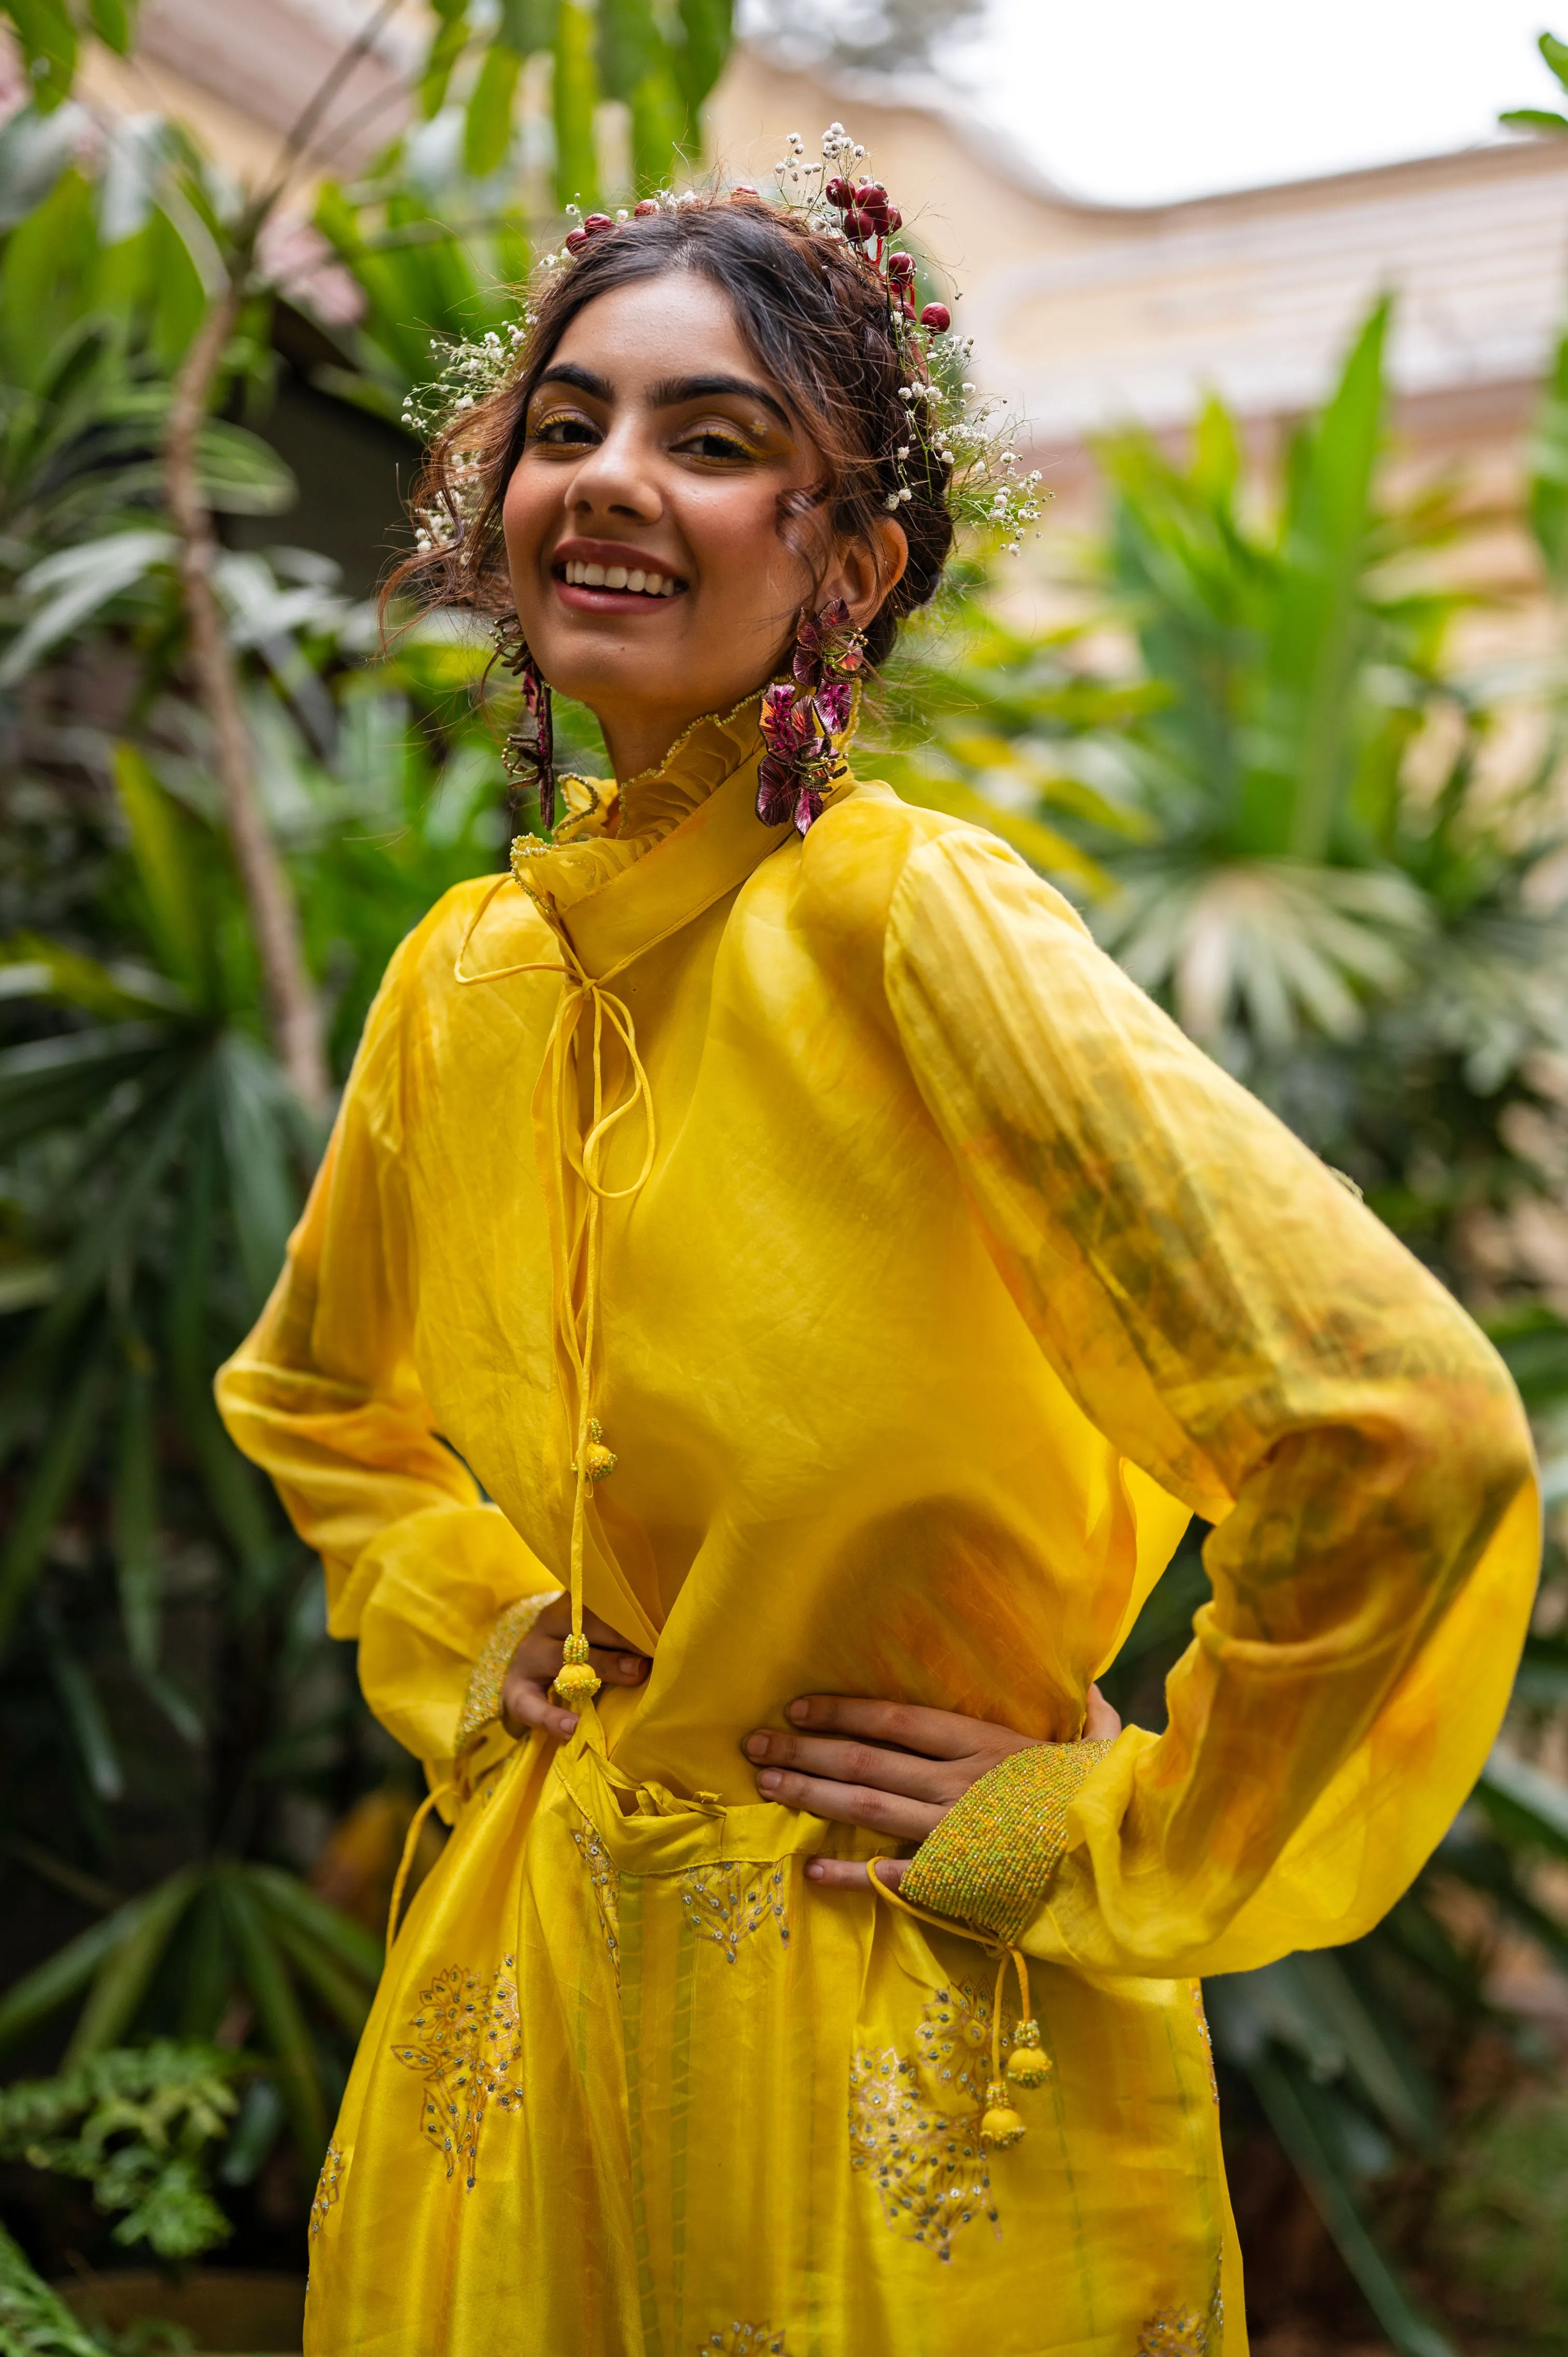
x: 989, y: 1861
x: 482, y: 1703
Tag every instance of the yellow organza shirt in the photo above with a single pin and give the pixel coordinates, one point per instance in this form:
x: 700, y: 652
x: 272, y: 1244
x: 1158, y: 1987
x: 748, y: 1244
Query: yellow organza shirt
x: 958, y: 1280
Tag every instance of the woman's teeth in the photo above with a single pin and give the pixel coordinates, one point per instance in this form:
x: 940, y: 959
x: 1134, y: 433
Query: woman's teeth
x: 646, y: 582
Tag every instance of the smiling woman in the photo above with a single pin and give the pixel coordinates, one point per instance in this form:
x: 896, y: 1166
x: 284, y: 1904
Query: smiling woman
x: 844, y: 1284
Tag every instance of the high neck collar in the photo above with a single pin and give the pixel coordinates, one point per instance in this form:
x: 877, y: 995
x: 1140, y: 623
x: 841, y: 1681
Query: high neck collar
x: 609, y: 830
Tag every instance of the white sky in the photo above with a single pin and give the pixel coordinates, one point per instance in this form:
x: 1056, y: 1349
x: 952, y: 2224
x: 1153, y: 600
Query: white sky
x: 1136, y: 102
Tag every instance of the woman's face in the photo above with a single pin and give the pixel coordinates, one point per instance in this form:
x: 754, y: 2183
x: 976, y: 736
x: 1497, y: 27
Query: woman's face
x: 642, y: 518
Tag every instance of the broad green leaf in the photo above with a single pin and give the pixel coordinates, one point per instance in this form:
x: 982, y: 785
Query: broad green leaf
x: 658, y: 127
x: 43, y: 1498
x: 628, y: 45
x: 346, y: 1998
x: 46, y: 1082
x: 351, y: 1946
x: 206, y: 1963
x: 709, y: 28
x: 529, y: 25
x: 1297, y: 778
x: 448, y: 44
x: 76, y: 585
x: 136, y: 1521
x: 253, y: 1114
x: 112, y: 21
x: 1532, y: 118
x: 486, y: 129
x: 241, y: 475
x: 159, y: 844
x: 28, y: 2002
x: 277, y: 2010
x: 125, y: 1975
x: 1555, y: 52
x: 84, y: 1715
x: 577, y: 94
x: 1546, y: 465
x: 47, y: 41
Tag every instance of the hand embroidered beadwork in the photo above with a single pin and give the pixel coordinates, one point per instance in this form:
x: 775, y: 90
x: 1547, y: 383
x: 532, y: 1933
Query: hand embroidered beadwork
x: 326, y: 2187
x: 928, y: 2165
x: 1183, y: 2332
x: 482, y: 1703
x: 954, y: 2042
x: 993, y: 1854
x: 468, y: 2040
x: 726, y: 1902
x: 605, y: 1881
x: 745, y: 2341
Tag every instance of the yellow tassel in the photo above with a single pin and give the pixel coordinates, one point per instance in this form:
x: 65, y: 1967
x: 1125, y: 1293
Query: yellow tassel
x: 1027, y: 2066
x: 598, y: 1462
x: 1001, y: 2125
x: 574, y: 1682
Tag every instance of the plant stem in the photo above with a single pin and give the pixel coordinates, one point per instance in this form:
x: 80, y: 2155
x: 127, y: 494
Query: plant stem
x: 292, y: 1009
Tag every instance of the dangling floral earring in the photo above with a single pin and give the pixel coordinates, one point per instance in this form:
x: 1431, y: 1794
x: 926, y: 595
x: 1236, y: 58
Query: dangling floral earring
x: 800, y: 717
x: 528, y: 753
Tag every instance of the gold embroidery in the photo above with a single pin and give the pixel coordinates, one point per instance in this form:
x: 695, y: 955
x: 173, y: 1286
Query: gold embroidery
x: 1174, y: 2333
x: 605, y: 1881
x: 327, y: 2189
x: 1182, y: 2332
x: 991, y: 1858
x: 726, y: 1902
x: 1207, y: 2040
x: 954, y: 2041
x: 929, y: 2165
x: 746, y: 2341
x: 469, y: 2040
x: 482, y: 1703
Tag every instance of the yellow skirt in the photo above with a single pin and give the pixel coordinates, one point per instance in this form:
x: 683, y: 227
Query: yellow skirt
x: 633, y: 2087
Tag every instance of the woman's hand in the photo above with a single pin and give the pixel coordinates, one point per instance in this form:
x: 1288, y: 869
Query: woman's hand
x: 887, y: 1766
x: 535, y: 1665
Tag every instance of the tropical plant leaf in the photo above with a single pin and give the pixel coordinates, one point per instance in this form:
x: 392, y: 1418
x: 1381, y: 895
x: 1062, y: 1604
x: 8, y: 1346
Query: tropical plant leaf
x: 278, y: 2012
x: 123, y: 1977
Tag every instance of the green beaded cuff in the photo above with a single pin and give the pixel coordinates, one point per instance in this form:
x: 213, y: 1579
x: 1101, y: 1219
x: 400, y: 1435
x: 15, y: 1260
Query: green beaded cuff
x: 989, y: 1861
x: 482, y: 1703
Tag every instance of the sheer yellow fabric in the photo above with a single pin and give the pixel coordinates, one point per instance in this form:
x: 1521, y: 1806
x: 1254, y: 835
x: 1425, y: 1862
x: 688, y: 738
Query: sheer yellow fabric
x: 959, y: 1279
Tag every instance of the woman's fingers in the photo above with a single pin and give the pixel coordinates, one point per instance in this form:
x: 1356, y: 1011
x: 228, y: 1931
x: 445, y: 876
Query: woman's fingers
x: 849, y: 1873
x: 905, y: 1772
x: 938, y: 1734
x: 851, y: 1804
x: 525, y: 1703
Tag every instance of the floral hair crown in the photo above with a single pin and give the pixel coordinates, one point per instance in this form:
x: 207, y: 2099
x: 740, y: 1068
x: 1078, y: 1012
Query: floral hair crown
x: 964, y: 444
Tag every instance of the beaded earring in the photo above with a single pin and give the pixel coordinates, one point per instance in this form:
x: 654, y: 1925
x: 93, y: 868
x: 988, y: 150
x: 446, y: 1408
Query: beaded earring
x: 529, y: 754
x: 801, y: 716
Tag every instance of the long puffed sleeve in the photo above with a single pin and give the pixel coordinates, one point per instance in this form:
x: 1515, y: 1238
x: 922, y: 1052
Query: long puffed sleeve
x: 1240, y: 1326
x: 325, y: 1395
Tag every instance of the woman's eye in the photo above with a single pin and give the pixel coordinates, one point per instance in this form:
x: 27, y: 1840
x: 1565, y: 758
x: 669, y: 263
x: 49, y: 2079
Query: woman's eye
x: 710, y: 443
x: 565, y: 431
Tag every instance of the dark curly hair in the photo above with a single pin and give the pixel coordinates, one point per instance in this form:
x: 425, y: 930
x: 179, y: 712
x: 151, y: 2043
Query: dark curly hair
x: 816, y: 316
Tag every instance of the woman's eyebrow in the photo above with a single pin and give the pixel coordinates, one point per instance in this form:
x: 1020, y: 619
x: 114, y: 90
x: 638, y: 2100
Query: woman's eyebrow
x: 585, y: 380
x: 672, y: 390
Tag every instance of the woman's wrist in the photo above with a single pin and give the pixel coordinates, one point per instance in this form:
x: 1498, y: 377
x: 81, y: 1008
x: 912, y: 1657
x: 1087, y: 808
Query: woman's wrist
x: 482, y: 1703
x: 990, y: 1859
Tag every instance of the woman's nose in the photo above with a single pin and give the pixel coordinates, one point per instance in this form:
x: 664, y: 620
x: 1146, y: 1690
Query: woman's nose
x: 617, y: 478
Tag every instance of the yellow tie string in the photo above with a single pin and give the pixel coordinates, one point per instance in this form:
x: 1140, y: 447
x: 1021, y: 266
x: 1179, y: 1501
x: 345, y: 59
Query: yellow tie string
x: 579, y: 1151
x: 1028, y: 2065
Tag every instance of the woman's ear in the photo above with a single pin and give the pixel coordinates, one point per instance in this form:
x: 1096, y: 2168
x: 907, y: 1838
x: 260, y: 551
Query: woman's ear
x: 864, y: 571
